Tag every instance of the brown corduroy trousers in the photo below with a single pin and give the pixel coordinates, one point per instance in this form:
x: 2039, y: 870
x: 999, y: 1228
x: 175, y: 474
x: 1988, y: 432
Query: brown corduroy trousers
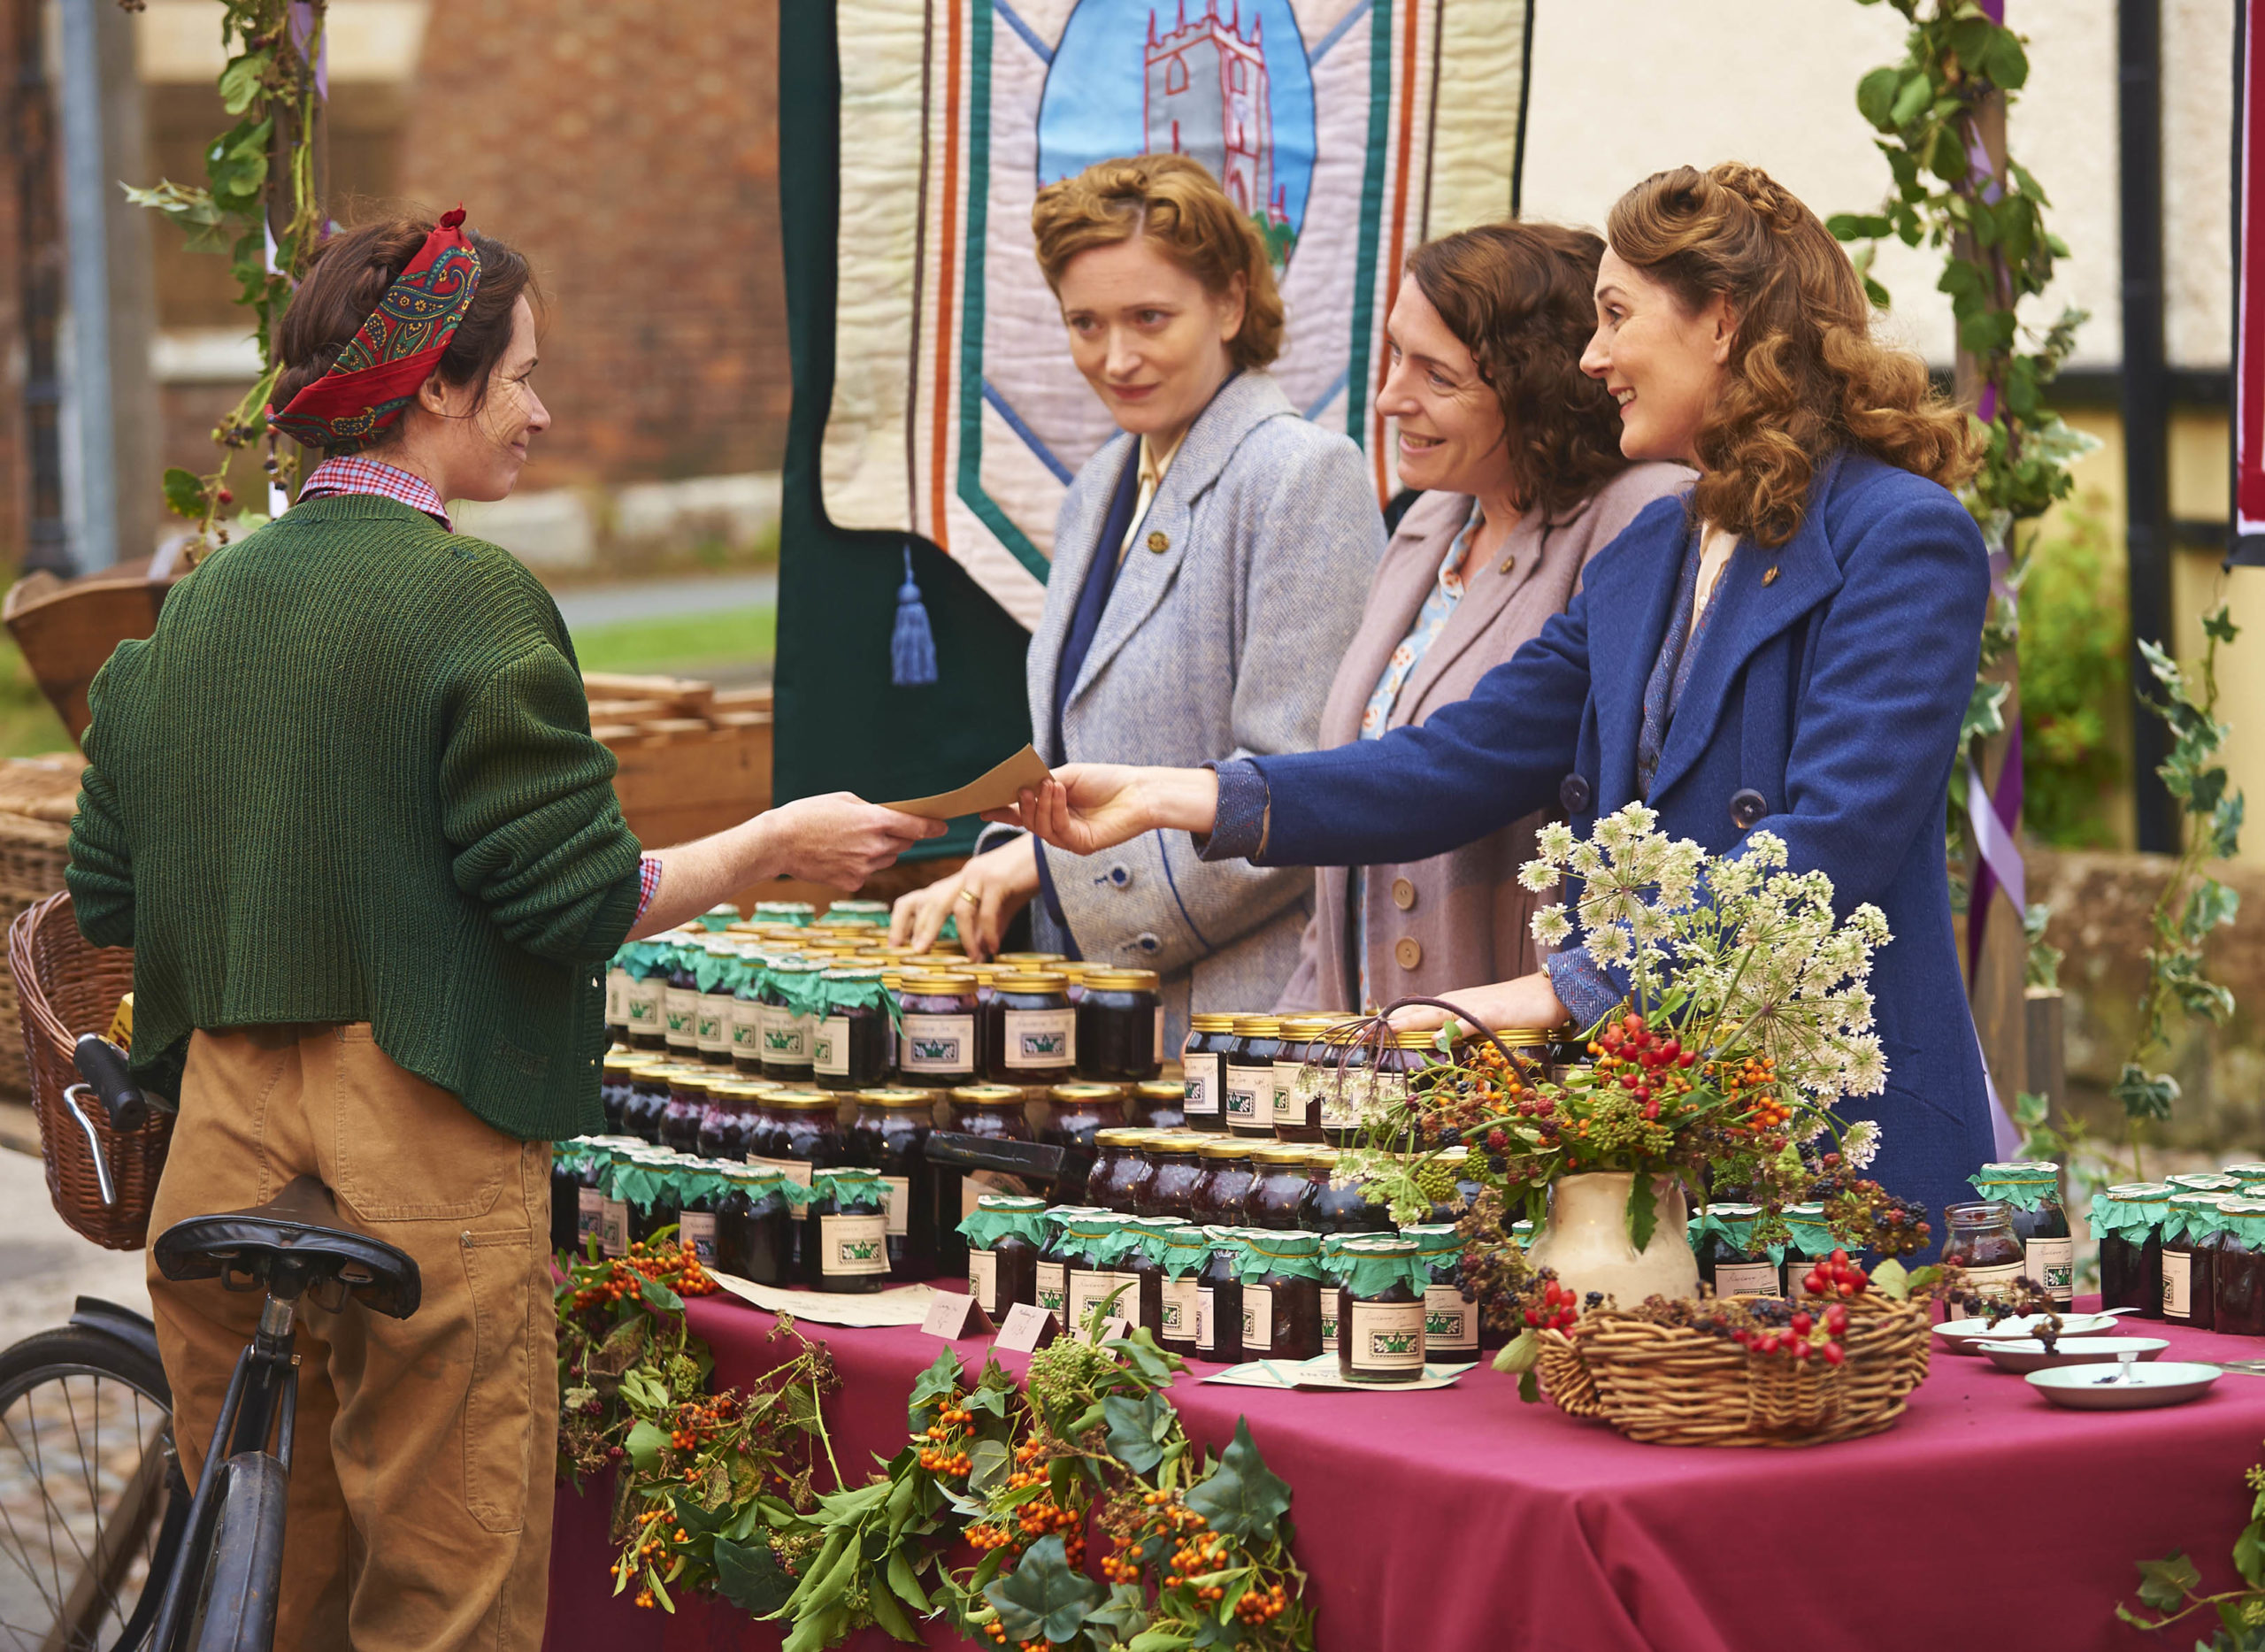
x: 421, y: 1481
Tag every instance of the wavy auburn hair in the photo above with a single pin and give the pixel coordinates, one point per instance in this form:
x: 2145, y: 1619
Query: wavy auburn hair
x: 1804, y: 375
x: 1175, y: 202
x: 1520, y: 298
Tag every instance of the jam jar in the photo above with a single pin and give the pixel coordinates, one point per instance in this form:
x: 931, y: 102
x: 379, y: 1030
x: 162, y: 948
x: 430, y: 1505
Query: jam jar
x: 1004, y: 1236
x: 567, y: 1159
x: 645, y: 1004
x: 1375, y: 1079
x: 745, y: 1018
x: 845, y: 1232
x: 2189, y: 1260
x: 786, y: 1026
x: 936, y: 1035
x: 1158, y: 1104
x: 1145, y: 1262
x: 1053, y: 1271
x: 688, y: 1102
x: 1169, y: 1189
x: 1203, y: 1069
x: 648, y: 1099
x: 2214, y: 1181
x: 645, y: 1188
x: 1450, y: 1318
x: 1180, y: 1252
x: 1099, y: 1249
x: 613, y: 1203
x: 755, y: 1227
x: 1120, y: 1165
x: 800, y: 914
x: 996, y: 1112
x: 2127, y: 1219
x: 1030, y: 1031
x: 851, y: 1039
x: 616, y: 1000
x: 802, y: 1132
x: 861, y: 914
x: 680, y: 1003
x: 1297, y: 1098
x: 1808, y: 1243
x: 614, y: 1089
x: 1249, y: 1103
x: 889, y: 1136
x: 1333, y: 1210
x: 1980, y: 1237
x: 1282, y: 1177
x: 1228, y: 1173
x: 2238, y: 1267
x: 700, y: 1192
x: 728, y: 1121
x: 1728, y: 1257
x: 1075, y: 1112
x: 1281, y: 1294
x: 1030, y: 960
x: 1380, y: 1314
x: 1219, y: 1297
x: 1120, y: 1017
x: 711, y: 1027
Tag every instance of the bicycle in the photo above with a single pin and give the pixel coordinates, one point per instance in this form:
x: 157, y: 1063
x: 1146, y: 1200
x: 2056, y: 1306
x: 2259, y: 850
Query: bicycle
x: 122, y: 1541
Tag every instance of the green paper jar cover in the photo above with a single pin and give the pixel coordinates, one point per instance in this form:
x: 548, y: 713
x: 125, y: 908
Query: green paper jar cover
x: 1435, y: 1241
x: 2026, y: 1184
x: 1273, y: 1250
x: 1180, y: 1251
x: 1369, y: 1264
x: 1730, y: 1222
x: 845, y: 1185
x: 997, y: 1214
x: 2192, y: 1217
x: 1101, y: 1239
x: 2244, y: 1219
x: 2206, y: 1181
x: 2130, y: 1210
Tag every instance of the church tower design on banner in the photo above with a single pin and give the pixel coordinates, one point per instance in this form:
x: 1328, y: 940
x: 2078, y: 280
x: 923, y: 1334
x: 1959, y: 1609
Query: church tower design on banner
x: 1207, y: 98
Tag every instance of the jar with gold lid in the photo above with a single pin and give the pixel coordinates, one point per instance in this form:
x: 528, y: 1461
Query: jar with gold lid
x: 1120, y: 1165
x: 1248, y: 1103
x: 1202, y: 1065
x: 1296, y: 1109
x: 1158, y: 1104
x: 1219, y: 1193
x: 1120, y: 1016
x: 1174, y: 1168
x: 889, y: 1136
x: 1030, y: 1030
x: 937, y: 1034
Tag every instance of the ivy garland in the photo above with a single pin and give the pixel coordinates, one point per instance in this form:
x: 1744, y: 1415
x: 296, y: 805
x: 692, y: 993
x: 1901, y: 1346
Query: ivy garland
x: 982, y: 1520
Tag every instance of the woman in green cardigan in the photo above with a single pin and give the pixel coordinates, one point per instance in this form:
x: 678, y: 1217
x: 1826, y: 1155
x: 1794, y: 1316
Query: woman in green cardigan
x: 345, y: 806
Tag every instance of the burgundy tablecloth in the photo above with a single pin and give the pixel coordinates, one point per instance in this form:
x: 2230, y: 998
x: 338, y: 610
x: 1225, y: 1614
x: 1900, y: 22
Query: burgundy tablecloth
x: 1463, y: 1518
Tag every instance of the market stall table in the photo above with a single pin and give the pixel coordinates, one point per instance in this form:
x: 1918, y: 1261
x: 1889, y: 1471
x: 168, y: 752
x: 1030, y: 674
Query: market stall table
x: 1461, y: 1517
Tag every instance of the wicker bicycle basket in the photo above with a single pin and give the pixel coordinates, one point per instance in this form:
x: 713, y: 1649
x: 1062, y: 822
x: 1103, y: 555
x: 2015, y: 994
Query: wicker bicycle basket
x: 1672, y: 1386
x: 64, y: 987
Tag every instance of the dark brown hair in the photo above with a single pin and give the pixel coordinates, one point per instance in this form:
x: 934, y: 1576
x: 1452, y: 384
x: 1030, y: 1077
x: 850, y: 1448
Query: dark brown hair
x: 1522, y: 298
x: 1177, y: 203
x: 348, y: 275
x: 1804, y: 375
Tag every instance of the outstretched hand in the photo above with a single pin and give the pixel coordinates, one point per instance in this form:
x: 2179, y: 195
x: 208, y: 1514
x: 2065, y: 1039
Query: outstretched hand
x: 1530, y: 1001
x: 1085, y: 807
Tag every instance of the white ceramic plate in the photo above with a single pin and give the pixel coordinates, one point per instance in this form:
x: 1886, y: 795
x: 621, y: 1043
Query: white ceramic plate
x: 1959, y: 1336
x: 2028, y: 1354
x: 2082, y: 1387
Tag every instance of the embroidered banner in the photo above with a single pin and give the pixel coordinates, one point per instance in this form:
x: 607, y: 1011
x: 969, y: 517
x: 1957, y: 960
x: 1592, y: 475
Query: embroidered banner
x: 956, y: 414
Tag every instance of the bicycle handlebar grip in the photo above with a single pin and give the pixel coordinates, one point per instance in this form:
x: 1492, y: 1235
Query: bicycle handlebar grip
x: 103, y: 1065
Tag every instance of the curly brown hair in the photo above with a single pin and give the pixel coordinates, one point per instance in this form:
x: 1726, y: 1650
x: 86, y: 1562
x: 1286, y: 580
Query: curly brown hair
x: 1176, y: 203
x: 1521, y: 298
x: 1804, y: 375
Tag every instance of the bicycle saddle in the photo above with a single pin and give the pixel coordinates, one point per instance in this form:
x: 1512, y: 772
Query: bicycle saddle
x: 297, y: 1236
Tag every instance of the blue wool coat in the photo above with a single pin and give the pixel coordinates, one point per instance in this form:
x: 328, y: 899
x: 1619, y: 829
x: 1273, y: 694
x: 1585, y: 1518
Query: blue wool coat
x: 1823, y: 705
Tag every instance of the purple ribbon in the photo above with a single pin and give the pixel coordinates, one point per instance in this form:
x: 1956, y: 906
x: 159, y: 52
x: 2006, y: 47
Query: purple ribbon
x: 1995, y: 820
x: 303, y: 29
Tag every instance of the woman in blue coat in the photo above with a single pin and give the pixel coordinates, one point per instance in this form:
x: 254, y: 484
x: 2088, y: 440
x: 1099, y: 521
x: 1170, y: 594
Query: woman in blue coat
x: 1789, y: 648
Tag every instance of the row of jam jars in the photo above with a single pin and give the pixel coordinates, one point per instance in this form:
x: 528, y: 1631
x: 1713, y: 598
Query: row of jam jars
x: 1004, y: 1234
x: 2127, y: 1219
x: 1120, y: 1021
x: 2031, y: 1189
x: 889, y: 1136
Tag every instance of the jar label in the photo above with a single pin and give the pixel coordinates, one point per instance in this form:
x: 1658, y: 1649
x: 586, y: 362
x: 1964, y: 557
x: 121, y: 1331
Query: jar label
x: 1258, y: 1319
x: 1989, y: 1278
x: 589, y: 1215
x: 1052, y: 1292
x: 1200, y: 1078
x: 1243, y: 1097
x: 900, y: 1203
x: 1040, y: 1038
x: 712, y: 1025
x: 1205, y: 1321
x: 1361, y: 1099
x: 680, y: 1017
x: 786, y: 1037
x: 2052, y: 1263
x: 852, y: 1244
x: 746, y: 1023
x: 1088, y: 1287
x: 700, y: 1228
x: 617, y: 996
x: 1388, y: 1336
x: 613, y: 1229
x: 1746, y: 1278
x: 1287, y: 1108
x: 1180, y: 1310
x: 830, y: 1047
x: 642, y: 1006
x: 983, y: 1280
x: 1449, y: 1322
x: 937, y: 1043
x: 2177, y: 1283
x: 1328, y: 1321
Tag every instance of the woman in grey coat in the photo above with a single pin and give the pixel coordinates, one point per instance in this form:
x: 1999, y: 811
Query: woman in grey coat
x: 1210, y: 566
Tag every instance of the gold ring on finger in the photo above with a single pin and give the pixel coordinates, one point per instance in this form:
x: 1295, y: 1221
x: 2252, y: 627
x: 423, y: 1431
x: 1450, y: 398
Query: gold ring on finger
x: 967, y: 894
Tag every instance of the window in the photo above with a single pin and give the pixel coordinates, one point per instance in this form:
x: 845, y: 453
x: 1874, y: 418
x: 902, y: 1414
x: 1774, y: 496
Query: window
x: 1175, y: 78
x: 1238, y: 75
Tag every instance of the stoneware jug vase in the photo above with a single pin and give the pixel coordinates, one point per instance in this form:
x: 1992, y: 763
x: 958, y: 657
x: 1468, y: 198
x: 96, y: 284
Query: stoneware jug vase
x: 1586, y: 1239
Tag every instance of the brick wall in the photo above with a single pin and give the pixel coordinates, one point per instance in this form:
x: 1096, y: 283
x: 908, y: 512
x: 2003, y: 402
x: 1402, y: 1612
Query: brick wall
x: 632, y: 153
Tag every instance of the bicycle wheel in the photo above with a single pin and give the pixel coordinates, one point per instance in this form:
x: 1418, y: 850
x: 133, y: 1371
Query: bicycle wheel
x: 247, y: 1559
x: 86, y: 1479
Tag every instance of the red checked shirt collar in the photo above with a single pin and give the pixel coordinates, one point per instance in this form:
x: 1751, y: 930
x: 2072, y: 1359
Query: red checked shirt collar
x: 352, y: 474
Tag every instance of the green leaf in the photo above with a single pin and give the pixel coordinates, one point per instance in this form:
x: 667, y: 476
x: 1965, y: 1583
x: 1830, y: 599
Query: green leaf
x: 2163, y: 1584
x: 2249, y: 1555
x: 1891, y: 1280
x: 242, y: 81
x: 660, y: 1296
x: 2145, y: 1094
x: 1042, y: 1599
x: 2218, y: 625
x: 1856, y: 226
x: 988, y: 1466
x: 2006, y: 63
x: 1875, y: 100
x: 185, y: 493
x: 1643, y: 1212
x: 890, y: 1616
x: 645, y: 1445
x: 1521, y: 1352
x: 750, y: 1578
x: 1916, y: 92
x: 1241, y: 1496
x: 907, y: 1585
x: 1136, y: 1428
x: 936, y: 1383
x: 1164, y: 1638
x: 1947, y: 158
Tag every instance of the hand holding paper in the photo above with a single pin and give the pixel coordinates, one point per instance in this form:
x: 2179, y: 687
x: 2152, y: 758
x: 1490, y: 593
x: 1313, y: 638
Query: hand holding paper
x: 996, y: 787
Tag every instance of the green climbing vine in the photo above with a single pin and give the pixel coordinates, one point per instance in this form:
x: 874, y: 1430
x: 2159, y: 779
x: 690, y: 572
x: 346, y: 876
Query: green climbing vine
x: 259, y: 180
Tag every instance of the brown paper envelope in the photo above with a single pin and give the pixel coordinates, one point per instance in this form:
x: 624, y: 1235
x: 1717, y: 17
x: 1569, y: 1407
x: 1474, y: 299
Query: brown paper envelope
x: 995, y: 789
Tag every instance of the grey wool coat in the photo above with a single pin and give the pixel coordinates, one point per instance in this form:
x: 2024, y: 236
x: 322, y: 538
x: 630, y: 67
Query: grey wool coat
x: 1458, y: 919
x: 1243, y: 587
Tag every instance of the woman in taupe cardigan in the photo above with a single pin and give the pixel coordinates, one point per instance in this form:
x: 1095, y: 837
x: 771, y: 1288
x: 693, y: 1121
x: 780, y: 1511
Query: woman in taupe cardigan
x: 1518, y: 456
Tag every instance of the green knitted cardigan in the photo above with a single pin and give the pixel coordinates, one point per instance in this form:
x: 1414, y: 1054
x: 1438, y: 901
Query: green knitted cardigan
x: 350, y: 778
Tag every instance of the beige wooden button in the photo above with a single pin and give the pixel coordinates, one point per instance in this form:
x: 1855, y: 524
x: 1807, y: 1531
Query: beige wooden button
x: 1408, y: 953
x: 1159, y: 540
x: 1403, y: 894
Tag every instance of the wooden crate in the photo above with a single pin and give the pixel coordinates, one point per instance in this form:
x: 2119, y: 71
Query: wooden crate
x: 693, y: 760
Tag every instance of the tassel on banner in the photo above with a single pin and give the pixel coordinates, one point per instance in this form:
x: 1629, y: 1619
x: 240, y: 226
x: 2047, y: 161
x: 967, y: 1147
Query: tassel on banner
x: 912, y: 646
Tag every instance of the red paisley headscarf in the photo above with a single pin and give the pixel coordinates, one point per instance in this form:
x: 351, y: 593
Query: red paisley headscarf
x: 376, y: 375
